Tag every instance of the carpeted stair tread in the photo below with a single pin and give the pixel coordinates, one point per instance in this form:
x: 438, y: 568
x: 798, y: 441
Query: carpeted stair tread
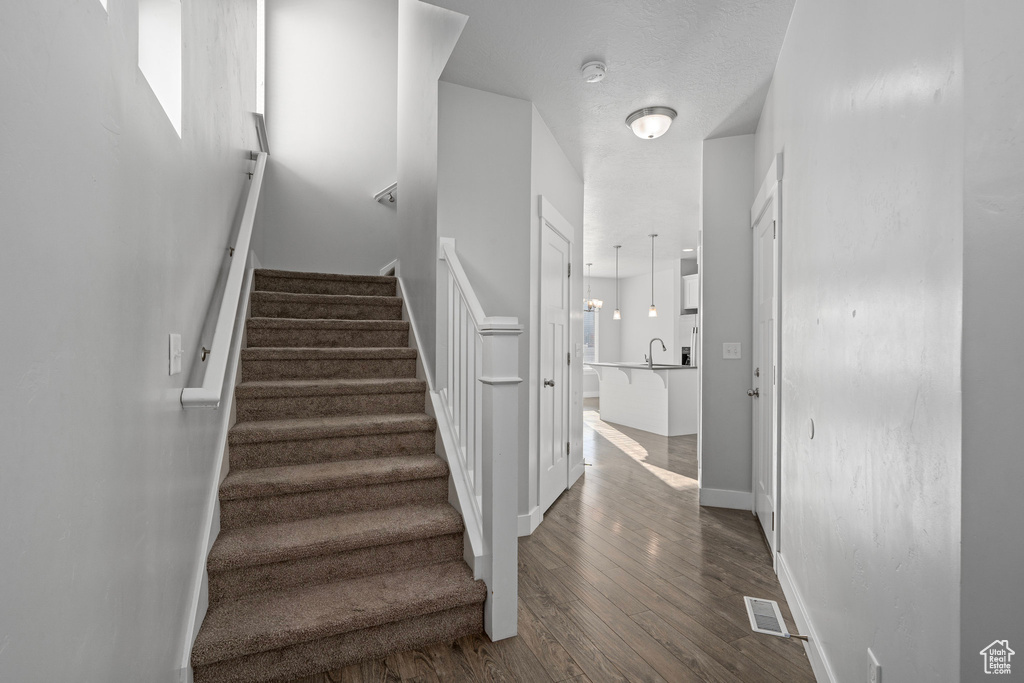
x: 327, y: 387
x: 337, y: 543
x: 310, y: 659
x: 318, y: 306
x: 297, y: 275
x: 272, y: 481
x: 329, y: 299
x: 272, y: 621
x: 330, y: 534
x: 315, y: 353
x: 324, y: 427
x: 330, y: 332
x: 326, y: 324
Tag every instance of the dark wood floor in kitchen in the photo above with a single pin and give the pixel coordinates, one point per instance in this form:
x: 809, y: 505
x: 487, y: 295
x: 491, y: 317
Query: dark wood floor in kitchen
x: 626, y: 579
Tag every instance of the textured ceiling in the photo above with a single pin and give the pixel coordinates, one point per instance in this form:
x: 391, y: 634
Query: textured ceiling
x: 710, y: 60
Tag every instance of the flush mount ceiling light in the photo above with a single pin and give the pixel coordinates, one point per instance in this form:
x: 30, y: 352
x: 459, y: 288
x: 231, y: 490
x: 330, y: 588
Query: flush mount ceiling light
x: 592, y: 71
x: 653, y: 312
x: 651, y: 122
x: 687, y: 250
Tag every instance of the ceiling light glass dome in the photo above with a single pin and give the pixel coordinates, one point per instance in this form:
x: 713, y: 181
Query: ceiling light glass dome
x: 651, y: 122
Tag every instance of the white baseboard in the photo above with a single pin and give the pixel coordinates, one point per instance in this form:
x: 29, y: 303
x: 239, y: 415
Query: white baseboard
x: 819, y: 660
x: 528, y: 523
x: 199, y: 598
x: 591, y: 394
x: 724, y: 498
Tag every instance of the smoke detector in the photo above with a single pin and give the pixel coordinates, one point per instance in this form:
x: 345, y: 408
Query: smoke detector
x: 593, y: 71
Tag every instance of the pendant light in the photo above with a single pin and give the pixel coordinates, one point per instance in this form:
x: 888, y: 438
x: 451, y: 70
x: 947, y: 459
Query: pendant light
x: 591, y: 303
x: 617, y: 315
x: 653, y: 312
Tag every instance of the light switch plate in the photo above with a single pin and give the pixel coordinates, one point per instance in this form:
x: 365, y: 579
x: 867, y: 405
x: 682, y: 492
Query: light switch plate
x: 731, y: 351
x: 175, y: 354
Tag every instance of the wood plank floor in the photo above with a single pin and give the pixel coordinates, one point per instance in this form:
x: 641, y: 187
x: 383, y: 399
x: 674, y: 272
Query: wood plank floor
x: 626, y: 579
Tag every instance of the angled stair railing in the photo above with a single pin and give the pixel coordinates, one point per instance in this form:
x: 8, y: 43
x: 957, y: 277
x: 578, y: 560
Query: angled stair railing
x: 208, y: 394
x: 478, y: 420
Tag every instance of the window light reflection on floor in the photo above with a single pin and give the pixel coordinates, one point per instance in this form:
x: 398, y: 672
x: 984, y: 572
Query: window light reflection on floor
x: 635, y: 451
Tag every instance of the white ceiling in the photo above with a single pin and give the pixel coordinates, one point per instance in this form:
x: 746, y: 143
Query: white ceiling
x: 710, y: 60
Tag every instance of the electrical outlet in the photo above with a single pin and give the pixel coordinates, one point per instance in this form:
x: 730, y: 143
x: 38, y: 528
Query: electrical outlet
x: 874, y: 668
x: 731, y: 351
x: 174, y: 353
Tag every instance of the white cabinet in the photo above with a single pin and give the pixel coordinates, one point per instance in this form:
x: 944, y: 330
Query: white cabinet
x: 691, y: 291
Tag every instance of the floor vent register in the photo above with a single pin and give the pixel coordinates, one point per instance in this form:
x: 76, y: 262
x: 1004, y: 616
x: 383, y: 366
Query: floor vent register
x: 765, y: 617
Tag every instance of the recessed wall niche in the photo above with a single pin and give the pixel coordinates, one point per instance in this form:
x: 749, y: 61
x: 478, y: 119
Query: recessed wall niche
x: 160, y: 54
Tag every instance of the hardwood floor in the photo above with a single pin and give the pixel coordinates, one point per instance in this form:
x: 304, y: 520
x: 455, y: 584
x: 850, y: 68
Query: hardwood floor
x: 626, y: 579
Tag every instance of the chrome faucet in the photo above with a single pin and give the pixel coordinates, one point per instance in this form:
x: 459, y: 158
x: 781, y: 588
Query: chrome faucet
x: 650, y: 350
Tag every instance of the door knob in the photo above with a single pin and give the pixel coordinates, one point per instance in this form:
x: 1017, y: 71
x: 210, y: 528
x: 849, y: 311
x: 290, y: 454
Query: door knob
x: 549, y: 382
x: 754, y: 393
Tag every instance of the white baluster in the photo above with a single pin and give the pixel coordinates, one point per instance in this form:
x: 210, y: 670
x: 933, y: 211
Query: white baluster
x: 478, y: 408
x: 472, y: 415
x: 450, y: 315
x: 463, y: 337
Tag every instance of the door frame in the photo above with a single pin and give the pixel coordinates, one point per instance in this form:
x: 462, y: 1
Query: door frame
x: 530, y: 514
x: 769, y: 197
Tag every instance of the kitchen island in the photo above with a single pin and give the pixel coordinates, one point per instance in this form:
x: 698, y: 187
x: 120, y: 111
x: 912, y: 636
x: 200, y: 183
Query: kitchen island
x: 662, y: 399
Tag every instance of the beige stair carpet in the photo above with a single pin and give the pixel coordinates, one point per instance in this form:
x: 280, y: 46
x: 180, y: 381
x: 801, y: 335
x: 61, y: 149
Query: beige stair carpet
x: 337, y: 542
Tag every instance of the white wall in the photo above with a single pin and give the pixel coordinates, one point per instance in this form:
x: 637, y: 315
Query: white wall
x: 483, y: 201
x: 483, y: 186
x: 114, y: 232
x: 869, y: 115
x: 331, y: 116
x: 495, y: 157
x: 725, y: 314
x: 555, y: 179
x: 992, y: 468
x: 426, y: 37
x: 637, y: 328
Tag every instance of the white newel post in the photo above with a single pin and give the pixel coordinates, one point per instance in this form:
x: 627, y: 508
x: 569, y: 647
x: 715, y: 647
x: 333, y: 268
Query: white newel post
x: 499, y: 383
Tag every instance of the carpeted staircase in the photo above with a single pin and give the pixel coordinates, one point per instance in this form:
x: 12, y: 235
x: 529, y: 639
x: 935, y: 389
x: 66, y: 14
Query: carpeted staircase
x: 337, y: 542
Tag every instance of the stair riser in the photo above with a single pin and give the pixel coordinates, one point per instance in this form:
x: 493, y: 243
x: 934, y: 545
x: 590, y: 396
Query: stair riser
x: 377, y: 368
x: 280, y: 453
x: 298, y: 338
x: 328, y: 568
x: 295, y: 506
x: 336, y: 652
x: 329, y: 311
x: 324, y: 406
x: 313, y: 286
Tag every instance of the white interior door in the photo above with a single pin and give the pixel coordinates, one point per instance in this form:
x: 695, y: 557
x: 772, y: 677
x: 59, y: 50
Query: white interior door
x: 553, y: 472
x: 765, y: 453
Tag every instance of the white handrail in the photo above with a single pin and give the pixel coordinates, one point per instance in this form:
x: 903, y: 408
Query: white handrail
x: 209, y: 394
x: 461, y: 281
x: 479, y: 426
